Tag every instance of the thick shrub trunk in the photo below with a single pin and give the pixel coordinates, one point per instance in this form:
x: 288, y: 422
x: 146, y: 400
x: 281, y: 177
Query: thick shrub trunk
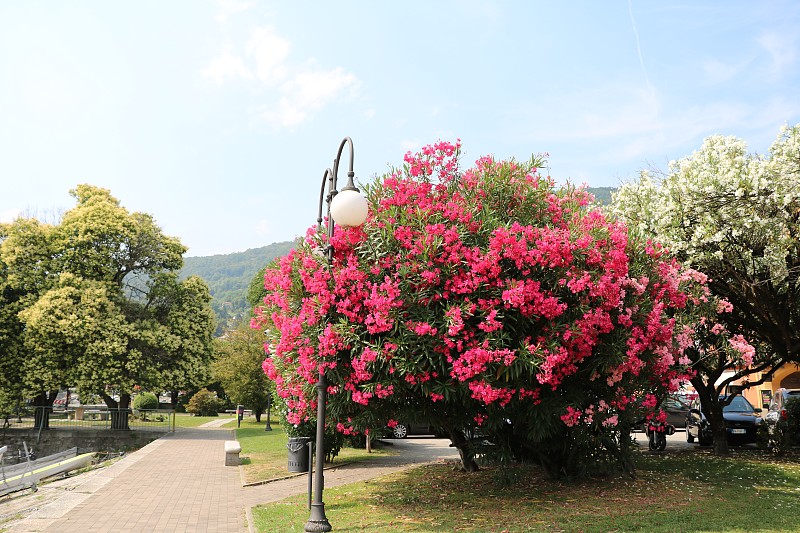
x: 466, y: 450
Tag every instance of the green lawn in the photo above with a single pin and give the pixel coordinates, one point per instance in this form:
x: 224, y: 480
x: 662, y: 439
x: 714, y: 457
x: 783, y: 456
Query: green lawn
x: 750, y: 491
x: 265, y: 456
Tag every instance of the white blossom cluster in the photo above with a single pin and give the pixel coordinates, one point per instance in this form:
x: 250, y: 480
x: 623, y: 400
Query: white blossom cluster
x: 722, y: 205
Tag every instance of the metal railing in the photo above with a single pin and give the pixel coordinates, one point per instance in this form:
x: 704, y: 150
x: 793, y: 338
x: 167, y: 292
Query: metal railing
x: 92, y: 417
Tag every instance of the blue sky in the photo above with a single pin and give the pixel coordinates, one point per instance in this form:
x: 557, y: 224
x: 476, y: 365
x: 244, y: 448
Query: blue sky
x: 220, y: 117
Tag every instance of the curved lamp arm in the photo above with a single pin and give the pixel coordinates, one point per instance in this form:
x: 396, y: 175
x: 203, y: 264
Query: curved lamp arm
x: 348, y: 207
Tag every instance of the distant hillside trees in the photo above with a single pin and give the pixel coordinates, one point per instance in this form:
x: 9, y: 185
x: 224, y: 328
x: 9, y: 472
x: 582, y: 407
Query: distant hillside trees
x: 229, y: 276
x: 602, y: 195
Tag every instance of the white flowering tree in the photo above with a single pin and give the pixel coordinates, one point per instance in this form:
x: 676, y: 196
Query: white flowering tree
x: 736, y: 217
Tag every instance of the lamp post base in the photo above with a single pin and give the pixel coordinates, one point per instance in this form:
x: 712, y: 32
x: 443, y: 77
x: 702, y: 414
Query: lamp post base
x: 318, y: 522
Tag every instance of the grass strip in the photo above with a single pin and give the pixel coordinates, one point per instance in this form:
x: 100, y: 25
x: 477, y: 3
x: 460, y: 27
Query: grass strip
x: 264, y: 454
x: 683, y: 492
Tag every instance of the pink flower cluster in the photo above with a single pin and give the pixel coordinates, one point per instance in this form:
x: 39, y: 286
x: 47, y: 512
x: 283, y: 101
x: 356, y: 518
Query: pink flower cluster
x: 491, y: 281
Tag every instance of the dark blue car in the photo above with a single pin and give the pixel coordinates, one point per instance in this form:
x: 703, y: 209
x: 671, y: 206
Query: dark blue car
x: 742, y: 421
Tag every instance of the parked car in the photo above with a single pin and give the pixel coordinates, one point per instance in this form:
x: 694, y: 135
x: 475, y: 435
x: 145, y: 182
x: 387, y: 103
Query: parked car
x: 676, y: 411
x: 404, y: 429
x: 777, y: 408
x: 742, y: 421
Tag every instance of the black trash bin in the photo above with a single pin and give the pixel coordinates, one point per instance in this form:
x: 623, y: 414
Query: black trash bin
x: 298, y: 453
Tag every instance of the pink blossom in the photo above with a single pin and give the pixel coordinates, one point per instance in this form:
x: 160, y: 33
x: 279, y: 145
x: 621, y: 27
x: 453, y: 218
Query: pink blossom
x: 572, y: 417
x: 744, y: 348
x: 724, y: 306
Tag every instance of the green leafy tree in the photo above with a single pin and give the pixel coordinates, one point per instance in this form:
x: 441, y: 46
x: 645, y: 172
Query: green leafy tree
x: 102, y: 308
x: 204, y: 403
x: 186, y: 324
x: 76, y: 334
x: 10, y: 340
x: 25, y: 273
x: 238, y: 367
x: 736, y: 217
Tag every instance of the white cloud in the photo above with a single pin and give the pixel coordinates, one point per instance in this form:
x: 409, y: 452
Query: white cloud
x: 225, y: 66
x: 410, y: 145
x: 294, y: 92
x: 601, y: 112
x: 716, y: 72
x: 308, y: 92
x: 682, y: 131
x: 622, y: 125
x: 782, y: 51
x: 269, y: 51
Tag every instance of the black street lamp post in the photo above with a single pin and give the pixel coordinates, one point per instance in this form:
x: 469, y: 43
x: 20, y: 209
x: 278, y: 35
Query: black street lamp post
x: 347, y: 208
x: 269, y: 408
x: 269, y: 401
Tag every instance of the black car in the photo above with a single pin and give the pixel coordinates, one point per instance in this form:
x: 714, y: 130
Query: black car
x: 742, y: 421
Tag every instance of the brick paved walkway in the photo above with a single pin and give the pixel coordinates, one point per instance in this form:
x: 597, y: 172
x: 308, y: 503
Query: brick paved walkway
x: 179, y: 483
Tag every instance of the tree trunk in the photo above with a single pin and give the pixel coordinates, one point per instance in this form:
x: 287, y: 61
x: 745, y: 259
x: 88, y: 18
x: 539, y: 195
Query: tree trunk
x: 711, y: 407
x: 118, y: 410
x: 718, y: 430
x: 623, y: 453
x: 173, y: 398
x: 257, y: 413
x: 465, y: 450
x: 43, y: 406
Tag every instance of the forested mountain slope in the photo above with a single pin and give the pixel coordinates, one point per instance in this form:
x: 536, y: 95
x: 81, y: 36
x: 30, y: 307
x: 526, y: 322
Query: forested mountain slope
x: 228, y: 276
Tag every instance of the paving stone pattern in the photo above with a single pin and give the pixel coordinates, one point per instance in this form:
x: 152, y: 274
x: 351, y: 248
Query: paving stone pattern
x: 179, y: 483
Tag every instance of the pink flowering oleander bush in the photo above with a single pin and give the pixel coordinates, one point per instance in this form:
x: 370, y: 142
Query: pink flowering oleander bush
x: 486, y: 301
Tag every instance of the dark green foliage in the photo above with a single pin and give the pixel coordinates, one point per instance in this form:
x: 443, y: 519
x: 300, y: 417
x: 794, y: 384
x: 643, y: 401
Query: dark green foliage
x: 256, y: 291
x: 205, y: 403
x: 229, y: 277
x: 145, y: 400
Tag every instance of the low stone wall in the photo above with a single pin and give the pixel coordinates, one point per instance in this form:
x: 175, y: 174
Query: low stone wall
x: 86, y: 440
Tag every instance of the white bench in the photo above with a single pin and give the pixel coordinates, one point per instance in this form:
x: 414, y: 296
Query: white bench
x: 232, y: 449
